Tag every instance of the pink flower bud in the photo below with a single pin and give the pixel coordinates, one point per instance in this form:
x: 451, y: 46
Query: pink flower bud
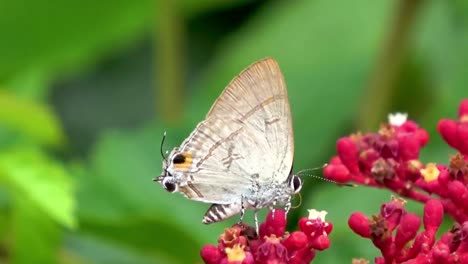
x: 348, y: 153
x: 463, y: 111
x: 302, y: 256
x: 440, y: 253
x: 422, y: 136
x: 210, y: 254
x: 409, y: 226
x: 320, y: 242
x: 408, y: 127
x: 311, y: 227
x: 433, y: 215
x: 335, y: 160
x: 273, y: 225
x: 463, y: 137
x: 458, y: 193
x: 444, y: 175
x: 448, y: 130
x: 295, y: 241
x: 328, y: 227
x: 408, y: 148
x: 359, y: 223
x: 338, y: 173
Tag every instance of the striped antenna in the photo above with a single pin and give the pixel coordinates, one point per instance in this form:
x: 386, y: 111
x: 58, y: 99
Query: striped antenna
x: 302, y: 172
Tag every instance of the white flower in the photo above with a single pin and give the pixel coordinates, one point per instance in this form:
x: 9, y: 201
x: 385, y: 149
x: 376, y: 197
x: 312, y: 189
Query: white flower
x: 314, y: 214
x: 397, y: 119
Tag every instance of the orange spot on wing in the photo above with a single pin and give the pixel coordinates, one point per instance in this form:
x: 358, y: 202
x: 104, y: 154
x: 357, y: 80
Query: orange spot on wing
x: 187, y: 161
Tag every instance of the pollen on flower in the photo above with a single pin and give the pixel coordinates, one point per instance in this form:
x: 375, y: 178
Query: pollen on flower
x: 314, y: 214
x: 430, y: 173
x: 236, y: 253
x: 397, y: 119
x: 360, y: 261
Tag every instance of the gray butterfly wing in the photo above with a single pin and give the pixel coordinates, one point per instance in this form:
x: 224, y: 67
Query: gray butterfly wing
x: 245, y: 141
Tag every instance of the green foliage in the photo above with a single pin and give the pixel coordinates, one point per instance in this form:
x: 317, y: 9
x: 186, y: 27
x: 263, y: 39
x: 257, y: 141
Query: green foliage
x: 32, y: 175
x: 36, y: 236
x: 30, y: 120
x: 100, y: 206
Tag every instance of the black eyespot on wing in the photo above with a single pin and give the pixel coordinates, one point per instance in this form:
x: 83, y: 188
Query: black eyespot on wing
x: 178, y: 159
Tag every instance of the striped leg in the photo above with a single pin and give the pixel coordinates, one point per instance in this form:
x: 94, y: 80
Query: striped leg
x: 256, y: 221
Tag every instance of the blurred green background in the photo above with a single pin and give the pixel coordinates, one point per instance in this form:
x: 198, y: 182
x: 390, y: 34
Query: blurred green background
x: 87, y: 89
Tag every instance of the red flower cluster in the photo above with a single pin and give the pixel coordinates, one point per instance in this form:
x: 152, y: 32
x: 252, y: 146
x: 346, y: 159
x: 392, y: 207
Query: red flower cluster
x: 455, y: 133
x: 394, y: 232
x: 390, y: 159
x: 241, y: 245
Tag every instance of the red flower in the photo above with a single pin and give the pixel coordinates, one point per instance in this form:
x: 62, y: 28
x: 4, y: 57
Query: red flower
x: 390, y: 159
x: 241, y: 245
x: 406, y: 245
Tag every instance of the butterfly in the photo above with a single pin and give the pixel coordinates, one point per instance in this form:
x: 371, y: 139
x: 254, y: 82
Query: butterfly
x: 240, y: 157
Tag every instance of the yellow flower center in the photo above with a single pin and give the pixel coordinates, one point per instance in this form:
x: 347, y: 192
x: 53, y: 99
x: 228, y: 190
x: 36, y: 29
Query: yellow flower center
x: 430, y: 173
x: 236, y: 253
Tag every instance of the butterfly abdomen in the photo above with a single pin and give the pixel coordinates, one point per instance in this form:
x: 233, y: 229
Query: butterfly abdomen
x: 220, y: 212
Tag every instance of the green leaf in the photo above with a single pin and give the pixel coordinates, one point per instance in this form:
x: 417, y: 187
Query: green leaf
x: 90, y: 248
x: 46, y: 40
x: 28, y: 172
x: 151, y: 237
x: 36, y: 235
x: 32, y: 120
x: 51, y: 47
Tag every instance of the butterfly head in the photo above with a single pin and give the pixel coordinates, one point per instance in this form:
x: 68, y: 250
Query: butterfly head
x: 167, y: 180
x: 295, y: 183
x: 173, y: 167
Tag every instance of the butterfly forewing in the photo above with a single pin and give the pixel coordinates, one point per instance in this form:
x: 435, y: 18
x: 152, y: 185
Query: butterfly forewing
x: 246, y: 140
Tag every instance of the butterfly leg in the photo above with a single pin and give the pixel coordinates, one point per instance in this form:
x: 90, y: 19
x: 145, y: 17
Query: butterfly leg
x: 256, y: 220
x: 242, y: 212
x: 287, y: 207
x: 273, y: 209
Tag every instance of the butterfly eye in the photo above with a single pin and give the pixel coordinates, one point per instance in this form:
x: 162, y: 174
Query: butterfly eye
x: 169, y: 185
x: 296, y: 184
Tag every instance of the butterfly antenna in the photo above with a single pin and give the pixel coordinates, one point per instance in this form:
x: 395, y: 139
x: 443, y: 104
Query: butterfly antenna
x: 332, y: 181
x: 312, y: 169
x: 162, y: 144
x: 302, y: 172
